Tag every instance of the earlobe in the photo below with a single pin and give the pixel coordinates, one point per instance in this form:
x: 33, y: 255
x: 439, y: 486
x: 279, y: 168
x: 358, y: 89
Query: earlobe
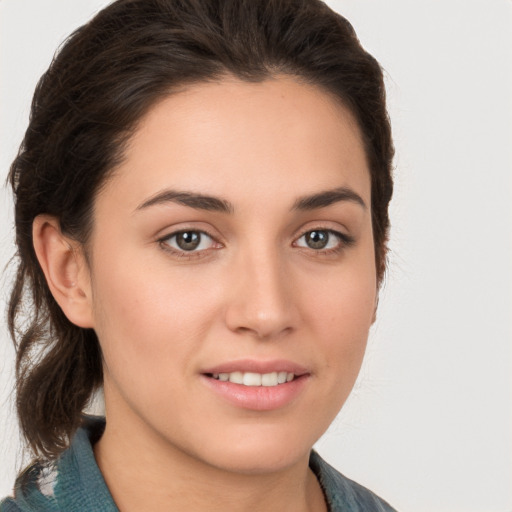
x: 65, y: 269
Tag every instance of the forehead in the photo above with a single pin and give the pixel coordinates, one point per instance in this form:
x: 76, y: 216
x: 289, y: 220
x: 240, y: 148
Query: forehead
x: 245, y: 138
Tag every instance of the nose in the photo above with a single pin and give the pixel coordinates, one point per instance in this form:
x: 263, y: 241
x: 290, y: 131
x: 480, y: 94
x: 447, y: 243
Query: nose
x: 261, y: 300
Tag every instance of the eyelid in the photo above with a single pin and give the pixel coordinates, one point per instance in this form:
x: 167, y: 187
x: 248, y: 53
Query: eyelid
x: 184, y: 226
x: 345, y: 240
x: 163, y: 242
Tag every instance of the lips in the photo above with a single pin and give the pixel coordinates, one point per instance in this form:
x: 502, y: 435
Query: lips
x: 257, y: 385
x: 256, y: 366
x: 255, y: 379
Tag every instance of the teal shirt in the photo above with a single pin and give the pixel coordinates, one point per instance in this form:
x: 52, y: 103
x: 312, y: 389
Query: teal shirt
x: 74, y: 482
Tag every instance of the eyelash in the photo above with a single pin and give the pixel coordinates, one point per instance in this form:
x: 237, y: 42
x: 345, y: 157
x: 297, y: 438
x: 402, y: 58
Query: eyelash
x: 344, y: 241
x: 180, y: 253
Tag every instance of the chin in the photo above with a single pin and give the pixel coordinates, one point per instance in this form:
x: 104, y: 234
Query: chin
x: 257, y: 461
x: 258, y: 452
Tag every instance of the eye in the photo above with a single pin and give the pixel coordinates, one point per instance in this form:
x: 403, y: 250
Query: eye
x: 323, y: 239
x: 189, y: 241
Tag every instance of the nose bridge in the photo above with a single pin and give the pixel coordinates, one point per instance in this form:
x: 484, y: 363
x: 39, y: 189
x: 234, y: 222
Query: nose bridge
x: 260, y: 303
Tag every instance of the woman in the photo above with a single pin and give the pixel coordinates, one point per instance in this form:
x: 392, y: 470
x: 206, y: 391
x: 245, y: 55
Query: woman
x: 201, y: 216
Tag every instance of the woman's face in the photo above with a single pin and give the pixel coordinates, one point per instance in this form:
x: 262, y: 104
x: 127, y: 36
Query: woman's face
x: 232, y: 250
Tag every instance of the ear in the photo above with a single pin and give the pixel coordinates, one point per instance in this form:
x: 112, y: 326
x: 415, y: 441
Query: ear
x: 376, y: 306
x: 66, y: 271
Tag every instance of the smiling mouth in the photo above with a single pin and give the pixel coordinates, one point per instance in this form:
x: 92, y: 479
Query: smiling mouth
x: 254, y: 379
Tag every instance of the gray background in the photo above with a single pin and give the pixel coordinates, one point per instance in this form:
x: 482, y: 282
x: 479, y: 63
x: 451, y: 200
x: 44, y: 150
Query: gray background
x: 429, y: 424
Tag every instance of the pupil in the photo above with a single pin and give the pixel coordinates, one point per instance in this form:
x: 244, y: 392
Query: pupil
x: 317, y: 239
x: 188, y: 240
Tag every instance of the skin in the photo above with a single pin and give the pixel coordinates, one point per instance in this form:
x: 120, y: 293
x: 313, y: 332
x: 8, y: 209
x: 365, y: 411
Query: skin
x: 253, y: 290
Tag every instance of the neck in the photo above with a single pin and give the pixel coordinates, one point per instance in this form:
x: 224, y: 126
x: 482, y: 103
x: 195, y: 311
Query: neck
x: 145, y: 472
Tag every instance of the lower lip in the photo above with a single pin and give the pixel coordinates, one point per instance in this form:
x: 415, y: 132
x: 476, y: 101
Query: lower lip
x: 258, y: 398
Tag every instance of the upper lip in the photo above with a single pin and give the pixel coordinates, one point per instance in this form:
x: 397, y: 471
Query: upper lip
x: 258, y: 366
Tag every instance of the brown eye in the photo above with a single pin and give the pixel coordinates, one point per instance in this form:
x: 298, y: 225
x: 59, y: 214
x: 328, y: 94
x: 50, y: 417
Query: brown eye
x: 324, y: 239
x: 317, y: 239
x: 189, y: 241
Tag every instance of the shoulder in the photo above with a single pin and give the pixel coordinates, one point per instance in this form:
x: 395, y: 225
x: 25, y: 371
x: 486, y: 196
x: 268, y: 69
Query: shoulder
x: 33, y: 490
x: 8, y: 505
x: 72, y: 483
x: 344, y: 494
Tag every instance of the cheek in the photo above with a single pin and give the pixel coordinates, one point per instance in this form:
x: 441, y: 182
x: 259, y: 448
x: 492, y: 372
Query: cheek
x: 341, y: 312
x: 343, y: 323
x: 149, y: 316
x: 338, y: 316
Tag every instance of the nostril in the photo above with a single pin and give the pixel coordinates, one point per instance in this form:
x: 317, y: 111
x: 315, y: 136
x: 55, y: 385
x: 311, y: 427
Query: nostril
x: 260, y: 304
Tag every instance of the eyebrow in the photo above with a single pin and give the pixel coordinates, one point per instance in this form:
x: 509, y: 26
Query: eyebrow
x: 216, y: 204
x: 328, y: 197
x: 190, y: 199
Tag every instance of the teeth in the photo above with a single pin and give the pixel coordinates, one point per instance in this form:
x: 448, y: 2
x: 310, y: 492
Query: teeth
x: 236, y: 377
x: 251, y: 379
x: 255, y: 379
x: 269, y: 379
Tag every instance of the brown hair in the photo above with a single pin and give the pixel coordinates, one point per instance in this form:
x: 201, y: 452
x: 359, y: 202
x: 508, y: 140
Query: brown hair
x: 105, y: 77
